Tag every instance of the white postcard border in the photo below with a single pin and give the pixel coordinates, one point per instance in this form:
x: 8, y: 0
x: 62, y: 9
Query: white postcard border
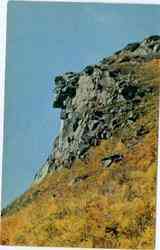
x: 3, y: 28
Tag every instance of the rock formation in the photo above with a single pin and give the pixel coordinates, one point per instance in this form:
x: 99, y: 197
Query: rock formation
x: 97, y: 101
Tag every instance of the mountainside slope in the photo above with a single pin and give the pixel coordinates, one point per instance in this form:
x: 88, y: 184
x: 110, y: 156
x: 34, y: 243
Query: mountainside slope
x: 98, y: 186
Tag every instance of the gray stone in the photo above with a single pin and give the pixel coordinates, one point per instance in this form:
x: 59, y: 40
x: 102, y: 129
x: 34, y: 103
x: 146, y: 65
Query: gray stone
x: 63, y: 114
x: 89, y: 70
x: 98, y: 102
x: 132, y: 46
x: 41, y: 173
x: 108, y: 160
x: 83, y: 149
x: 153, y: 38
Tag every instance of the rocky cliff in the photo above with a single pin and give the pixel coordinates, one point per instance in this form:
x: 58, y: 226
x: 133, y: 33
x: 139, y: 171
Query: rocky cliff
x: 97, y: 188
x: 97, y: 101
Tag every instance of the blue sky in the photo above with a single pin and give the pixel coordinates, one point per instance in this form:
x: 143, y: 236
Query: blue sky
x: 44, y: 40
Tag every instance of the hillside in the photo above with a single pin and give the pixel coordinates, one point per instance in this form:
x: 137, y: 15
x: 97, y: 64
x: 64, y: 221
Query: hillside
x: 98, y: 185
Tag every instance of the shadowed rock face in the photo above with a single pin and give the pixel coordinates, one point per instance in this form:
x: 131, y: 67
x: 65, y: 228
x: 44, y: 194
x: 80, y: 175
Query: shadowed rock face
x: 96, y: 102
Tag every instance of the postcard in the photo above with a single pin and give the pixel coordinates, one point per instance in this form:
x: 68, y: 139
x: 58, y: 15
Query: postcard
x: 81, y: 111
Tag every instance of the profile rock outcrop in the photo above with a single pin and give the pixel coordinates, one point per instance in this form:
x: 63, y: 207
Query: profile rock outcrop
x: 96, y: 102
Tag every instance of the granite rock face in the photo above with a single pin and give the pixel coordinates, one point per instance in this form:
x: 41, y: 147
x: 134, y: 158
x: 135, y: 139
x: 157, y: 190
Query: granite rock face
x: 97, y: 101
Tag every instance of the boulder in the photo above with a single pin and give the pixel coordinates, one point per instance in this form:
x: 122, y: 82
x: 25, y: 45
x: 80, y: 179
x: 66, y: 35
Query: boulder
x: 81, y: 178
x: 108, y: 160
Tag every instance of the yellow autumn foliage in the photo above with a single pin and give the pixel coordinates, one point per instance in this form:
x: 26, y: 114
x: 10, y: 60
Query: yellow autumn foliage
x: 112, y: 208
